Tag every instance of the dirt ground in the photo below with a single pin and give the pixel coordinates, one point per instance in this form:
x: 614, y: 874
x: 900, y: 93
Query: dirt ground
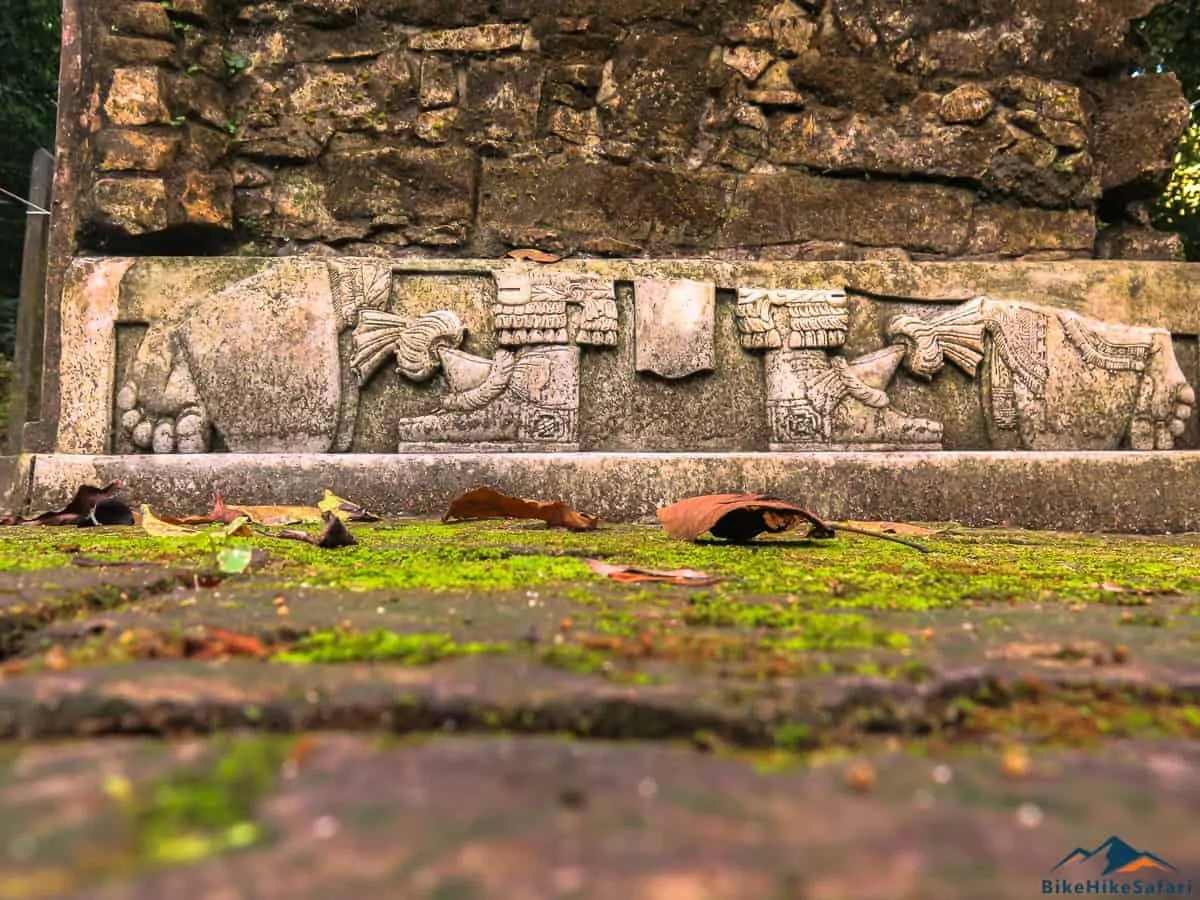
x: 468, y: 711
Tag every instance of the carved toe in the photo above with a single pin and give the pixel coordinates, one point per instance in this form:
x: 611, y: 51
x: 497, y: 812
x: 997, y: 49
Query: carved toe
x: 164, y: 437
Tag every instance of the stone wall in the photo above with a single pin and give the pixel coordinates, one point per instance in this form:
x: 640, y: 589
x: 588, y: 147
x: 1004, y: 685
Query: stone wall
x: 831, y: 129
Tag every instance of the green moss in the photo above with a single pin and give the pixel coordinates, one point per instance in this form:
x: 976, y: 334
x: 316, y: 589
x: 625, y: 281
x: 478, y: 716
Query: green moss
x: 381, y: 645
x: 577, y: 659
x: 795, y: 736
x: 847, y: 573
x: 813, y: 630
x: 199, y: 812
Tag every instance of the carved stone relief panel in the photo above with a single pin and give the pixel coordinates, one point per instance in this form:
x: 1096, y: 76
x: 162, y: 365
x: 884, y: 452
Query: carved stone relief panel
x: 526, y: 396
x: 1055, y: 380
x: 272, y: 356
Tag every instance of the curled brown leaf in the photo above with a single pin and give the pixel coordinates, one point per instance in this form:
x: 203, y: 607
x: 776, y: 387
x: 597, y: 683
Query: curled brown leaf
x: 736, y: 517
x: 488, y: 503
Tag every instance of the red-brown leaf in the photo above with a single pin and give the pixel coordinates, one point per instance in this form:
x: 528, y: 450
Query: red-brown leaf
x: 488, y: 503
x: 219, y: 642
x: 634, y: 575
x: 734, y: 517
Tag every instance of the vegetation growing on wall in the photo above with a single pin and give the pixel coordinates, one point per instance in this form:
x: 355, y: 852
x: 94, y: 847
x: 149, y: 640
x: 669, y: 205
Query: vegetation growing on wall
x: 1173, y: 32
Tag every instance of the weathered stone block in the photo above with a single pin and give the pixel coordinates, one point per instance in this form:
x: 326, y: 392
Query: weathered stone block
x: 131, y: 205
x: 787, y: 208
x: 393, y: 79
x: 127, y: 149
x: 502, y: 100
x: 478, y: 39
x: 1138, y: 129
x: 301, y: 209
x: 201, y: 10
x: 564, y: 201
x: 1017, y: 231
x: 322, y: 90
x: 966, y: 105
x: 135, y: 51
x: 439, y: 83
x: 200, y: 97
x: 1129, y: 242
x: 655, y: 97
x: 137, y: 96
x: 849, y: 82
x: 426, y: 186
x: 204, y: 146
x: 142, y: 19
x: 1057, y: 38
x: 206, y: 198
x: 825, y: 140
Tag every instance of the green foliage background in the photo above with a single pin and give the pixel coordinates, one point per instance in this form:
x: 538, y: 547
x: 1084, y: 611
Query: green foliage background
x: 29, y: 44
x: 29, y: 39
x: 1173, y: 32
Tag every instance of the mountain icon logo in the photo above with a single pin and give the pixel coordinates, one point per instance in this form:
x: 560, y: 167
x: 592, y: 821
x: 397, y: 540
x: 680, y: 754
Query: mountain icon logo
x: 1119, y: 858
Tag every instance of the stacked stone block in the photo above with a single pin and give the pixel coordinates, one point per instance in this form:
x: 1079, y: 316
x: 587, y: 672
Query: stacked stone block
x: 832, y: 129
x: 163, y: 129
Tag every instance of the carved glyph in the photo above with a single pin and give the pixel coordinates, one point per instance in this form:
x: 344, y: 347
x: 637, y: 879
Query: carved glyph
x: 815, y: 400
x: 252, y: 365
x: 674, y: 324
x: 524, y: 397
x: 532, y: 308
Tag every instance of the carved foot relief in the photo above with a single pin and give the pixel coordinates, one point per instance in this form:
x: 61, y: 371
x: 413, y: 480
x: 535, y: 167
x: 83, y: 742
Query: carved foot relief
x: 1045, y: 378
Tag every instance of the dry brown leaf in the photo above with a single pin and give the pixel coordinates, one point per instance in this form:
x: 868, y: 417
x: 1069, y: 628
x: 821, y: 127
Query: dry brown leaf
x: 902, y: 528
x: 735, y: 517
x: 90, y: 506
x: 861, y: 777
x: 334, y: 534
x: 157, y: 527
x: 488, y: 503
x: 532, y: 254
x: 634, y: 575
x: 259, y: 515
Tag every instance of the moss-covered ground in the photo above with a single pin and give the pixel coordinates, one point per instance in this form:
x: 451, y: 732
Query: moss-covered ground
x: 1003, y: 653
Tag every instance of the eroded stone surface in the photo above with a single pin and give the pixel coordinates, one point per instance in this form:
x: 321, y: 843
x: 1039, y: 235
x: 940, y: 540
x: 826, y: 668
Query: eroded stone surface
x: 519, y: 817
x: 660, y: 128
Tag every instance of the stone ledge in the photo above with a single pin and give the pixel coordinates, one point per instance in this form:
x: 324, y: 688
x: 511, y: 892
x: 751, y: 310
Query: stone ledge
x: 1120, y: 492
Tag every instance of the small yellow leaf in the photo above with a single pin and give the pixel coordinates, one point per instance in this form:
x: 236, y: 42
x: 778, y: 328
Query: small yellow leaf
x: 279, y: 515
x: 239, y: 527
x: 156, y: 527
x: 344, y: 509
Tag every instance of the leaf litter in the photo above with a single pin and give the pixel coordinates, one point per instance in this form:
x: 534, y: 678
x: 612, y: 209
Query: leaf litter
x: 488, y: 503
x: 90, y: 507
x: 740, y: 518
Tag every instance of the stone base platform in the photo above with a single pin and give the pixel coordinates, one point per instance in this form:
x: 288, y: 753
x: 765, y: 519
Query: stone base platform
x: 1119, y: 492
